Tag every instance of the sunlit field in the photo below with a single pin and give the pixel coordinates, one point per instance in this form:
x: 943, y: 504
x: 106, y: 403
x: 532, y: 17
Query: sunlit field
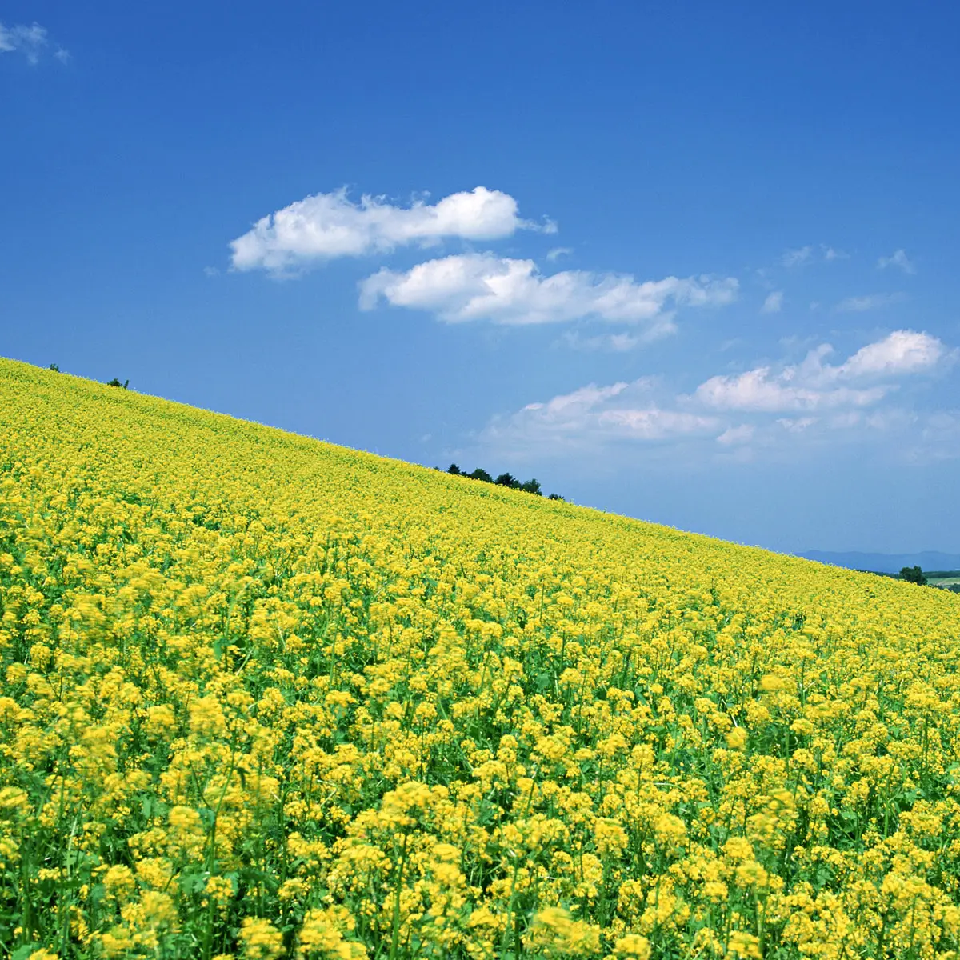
x: 267, y: 697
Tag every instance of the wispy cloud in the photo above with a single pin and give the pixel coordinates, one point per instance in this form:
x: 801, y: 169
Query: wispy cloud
x: 898, y: 259
x: 811, y: 254
x: 734, y: 418
x: 798, y: 257
x: 329, y: 225
x: 872, y: 301
x: 503, y: 290
x: 736, y: 435
x: 796, y: 424
x: 614, y: 342
x: 31, y: 41
x: 591, y: 418
x: 557, y: 252
x: 939, y: 438
x: 773, y: 302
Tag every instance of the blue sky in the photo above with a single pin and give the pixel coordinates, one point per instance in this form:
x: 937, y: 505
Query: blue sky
x: 695, y: 263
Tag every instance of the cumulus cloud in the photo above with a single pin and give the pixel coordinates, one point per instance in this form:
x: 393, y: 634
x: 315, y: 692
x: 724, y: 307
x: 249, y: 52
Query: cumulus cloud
x: 483, y: 286
x: 816, y: 385
x: 773, y: 302
x: 30, y: 41
x: 329, y: 225
x: 897, y: 259
x: 872, y: 301
x: 903, y: 351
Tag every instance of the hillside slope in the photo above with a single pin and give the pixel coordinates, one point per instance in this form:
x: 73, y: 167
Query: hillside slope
x: 264, y: 696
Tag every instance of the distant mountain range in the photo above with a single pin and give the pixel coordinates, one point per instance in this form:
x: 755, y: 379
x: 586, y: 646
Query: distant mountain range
x: 886, y: 562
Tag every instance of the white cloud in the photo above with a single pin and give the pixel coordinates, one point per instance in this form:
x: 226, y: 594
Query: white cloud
x: 591, y: 417
x: 734, y: 435
x: 830, y: 253
x: 763, y: 390
x: 557, y: 252
x: 872, y: 301
x: 486, y: 287
x: 816, y: 385
x: 903, y: 351
x: 28, y: 40
x: 773, y: 303
x: 329, y: 225
x: 582, y: 399
x: 654, y: 423
x: 898, y: 259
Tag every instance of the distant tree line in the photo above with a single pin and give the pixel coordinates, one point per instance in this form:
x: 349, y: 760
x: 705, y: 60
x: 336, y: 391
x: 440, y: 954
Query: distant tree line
x: 503, y: 480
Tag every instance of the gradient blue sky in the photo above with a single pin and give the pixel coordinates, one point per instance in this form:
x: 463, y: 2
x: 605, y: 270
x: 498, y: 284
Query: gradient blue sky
x: 696, y: 263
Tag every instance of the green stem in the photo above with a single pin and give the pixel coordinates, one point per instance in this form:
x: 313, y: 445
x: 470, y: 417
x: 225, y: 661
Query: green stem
x: 395, y: 942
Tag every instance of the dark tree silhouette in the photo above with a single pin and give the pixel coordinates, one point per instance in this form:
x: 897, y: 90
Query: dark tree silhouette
x: 913, y: 575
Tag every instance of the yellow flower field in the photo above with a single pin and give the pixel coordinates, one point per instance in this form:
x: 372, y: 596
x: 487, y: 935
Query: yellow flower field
x: 267, y: 697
